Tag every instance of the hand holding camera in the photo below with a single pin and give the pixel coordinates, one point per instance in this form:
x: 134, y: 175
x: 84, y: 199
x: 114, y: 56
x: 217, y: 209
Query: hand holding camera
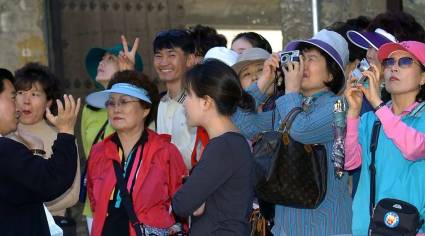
x: 372, y: 90
x: 292, y: 66
x: 364, y: 80
x: 358, y: 72
x: 267, y: 76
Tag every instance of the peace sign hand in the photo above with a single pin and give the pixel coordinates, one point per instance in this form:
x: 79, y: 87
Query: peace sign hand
x: 127, y: 59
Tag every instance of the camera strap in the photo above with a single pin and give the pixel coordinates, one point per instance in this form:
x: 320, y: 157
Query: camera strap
x: 373, y: 145
x: 276, y: 78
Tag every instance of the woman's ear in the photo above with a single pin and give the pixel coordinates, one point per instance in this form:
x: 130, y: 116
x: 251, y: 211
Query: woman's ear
x: 422, y: 81
x: 146, y: 112
x: 330, y: 78
x: 206, y: 103
x: 191, y: 60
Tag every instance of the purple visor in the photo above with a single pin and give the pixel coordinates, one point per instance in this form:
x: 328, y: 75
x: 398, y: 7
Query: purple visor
x: 367, y: 39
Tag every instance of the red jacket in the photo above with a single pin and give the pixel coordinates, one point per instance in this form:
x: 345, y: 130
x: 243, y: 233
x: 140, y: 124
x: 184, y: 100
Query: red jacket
x: 159, y: 178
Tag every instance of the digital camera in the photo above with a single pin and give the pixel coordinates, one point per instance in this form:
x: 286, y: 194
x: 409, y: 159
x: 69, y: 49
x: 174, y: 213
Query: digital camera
x: 288, y: 56
x: 357, y: 73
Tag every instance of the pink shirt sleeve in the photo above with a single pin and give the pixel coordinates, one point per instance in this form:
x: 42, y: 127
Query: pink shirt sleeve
x: 353, y: 150
x: 408, y: 140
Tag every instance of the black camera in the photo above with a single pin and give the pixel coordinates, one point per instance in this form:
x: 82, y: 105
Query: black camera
x: 288, y: 56
x: 357, y: 73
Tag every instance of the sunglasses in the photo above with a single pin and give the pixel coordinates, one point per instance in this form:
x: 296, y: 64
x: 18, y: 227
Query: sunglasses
x: 402, y: 62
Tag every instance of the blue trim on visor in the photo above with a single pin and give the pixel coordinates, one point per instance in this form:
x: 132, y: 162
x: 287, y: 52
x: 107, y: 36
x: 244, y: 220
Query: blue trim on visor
x: 98, y: 99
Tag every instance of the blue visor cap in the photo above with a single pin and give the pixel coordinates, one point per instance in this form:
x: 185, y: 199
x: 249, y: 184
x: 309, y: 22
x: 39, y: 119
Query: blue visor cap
x: 98, y: 99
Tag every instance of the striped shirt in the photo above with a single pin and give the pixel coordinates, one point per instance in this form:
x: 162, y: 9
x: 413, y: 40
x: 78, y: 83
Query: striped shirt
x: 313, y: 126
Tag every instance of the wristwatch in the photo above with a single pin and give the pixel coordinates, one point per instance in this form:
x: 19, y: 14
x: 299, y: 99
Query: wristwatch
x: 379, y: 106
x: 39, y: 152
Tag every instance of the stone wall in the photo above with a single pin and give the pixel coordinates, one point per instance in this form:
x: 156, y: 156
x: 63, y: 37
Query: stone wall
x: 22, y: 33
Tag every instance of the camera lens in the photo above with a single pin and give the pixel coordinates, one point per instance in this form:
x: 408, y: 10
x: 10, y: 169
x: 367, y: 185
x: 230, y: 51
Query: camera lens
x: 284, y: 58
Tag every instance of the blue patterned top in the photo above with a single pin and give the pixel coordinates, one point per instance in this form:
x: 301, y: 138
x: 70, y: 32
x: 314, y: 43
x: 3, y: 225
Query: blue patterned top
x: 314, y: 125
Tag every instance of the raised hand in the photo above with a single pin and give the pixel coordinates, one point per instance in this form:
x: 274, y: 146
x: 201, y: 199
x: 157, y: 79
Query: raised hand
x: 267, y: 76
x: 373, y: 91
x: 354, y: 98
x: 127, y: 59
x: 67, y: 114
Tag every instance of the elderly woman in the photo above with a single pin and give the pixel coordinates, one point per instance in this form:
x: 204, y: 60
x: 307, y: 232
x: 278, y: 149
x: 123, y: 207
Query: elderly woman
x: 101, y: 64
x: 36, y: 90
x: 311, y: 84
x: 153, y: 167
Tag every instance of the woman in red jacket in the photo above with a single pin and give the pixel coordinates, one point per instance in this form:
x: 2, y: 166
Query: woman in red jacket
x: 152, y: 167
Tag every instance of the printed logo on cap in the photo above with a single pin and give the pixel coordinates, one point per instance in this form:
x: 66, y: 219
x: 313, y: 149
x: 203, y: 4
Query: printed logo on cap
x: 391, y: 219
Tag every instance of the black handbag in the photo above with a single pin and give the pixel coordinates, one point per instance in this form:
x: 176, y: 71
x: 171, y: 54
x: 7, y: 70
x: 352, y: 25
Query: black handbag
x: 287, y: 172
x: 390, y: 217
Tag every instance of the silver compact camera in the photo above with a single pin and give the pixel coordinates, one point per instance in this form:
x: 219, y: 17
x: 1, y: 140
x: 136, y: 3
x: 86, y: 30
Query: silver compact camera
x: 288, y: 56
x: 357, y: 73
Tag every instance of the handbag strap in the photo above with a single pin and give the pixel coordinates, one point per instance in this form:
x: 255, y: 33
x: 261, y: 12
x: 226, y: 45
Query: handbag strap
x: 127, y: 202
x: 372, y: 168
x: 287, y: 122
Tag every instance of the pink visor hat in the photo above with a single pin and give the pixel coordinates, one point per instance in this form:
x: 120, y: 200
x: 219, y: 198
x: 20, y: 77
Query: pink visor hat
x: 417, y: 49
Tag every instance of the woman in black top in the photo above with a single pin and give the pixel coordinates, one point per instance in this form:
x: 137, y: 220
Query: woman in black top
x: 219, y: 192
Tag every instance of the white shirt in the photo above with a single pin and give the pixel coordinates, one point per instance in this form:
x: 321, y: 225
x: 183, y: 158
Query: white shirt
x: 172, y: 120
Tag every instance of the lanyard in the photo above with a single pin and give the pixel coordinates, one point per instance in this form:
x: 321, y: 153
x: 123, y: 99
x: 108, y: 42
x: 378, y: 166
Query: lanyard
x: 130, y: 180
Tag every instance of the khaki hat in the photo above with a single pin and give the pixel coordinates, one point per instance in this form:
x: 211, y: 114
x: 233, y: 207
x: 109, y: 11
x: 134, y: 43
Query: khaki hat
x: 250, y: 56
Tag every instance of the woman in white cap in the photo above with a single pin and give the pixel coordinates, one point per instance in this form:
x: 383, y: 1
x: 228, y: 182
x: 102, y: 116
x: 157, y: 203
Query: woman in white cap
x: 311, y: 84
x: 152, y: 167
x: 401, y: 138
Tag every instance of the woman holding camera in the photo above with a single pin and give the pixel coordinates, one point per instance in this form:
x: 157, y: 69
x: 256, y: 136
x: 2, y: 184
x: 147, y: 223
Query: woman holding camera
x: 152, y: 167
x: 311, y: 84
x: 401, y: 138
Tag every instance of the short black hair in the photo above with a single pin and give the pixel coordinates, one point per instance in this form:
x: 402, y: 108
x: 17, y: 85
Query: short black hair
x: 337, y: 83
x: 205, y: 38
x: 5, y: 74
x: 358, y: 24
x: 139, y: 80
x: 32, y: 73
x: 174, y: 38
x: 400, y: 24
x: 256, y: 40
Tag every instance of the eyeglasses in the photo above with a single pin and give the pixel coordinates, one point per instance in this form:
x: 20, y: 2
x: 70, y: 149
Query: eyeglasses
x: 402, y: 62
x: 119, y: 103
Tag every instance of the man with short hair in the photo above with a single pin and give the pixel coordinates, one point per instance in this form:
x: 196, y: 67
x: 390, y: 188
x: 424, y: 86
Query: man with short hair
x: 174, y: 54
x: 28, y: 180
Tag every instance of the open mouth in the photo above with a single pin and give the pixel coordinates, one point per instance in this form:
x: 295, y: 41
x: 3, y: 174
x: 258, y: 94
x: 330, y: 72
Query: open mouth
x: 25, y: 112
x: 393, y: 78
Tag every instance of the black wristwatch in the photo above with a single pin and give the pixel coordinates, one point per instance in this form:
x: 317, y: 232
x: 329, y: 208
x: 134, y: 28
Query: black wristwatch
x: 379, y: 106
x: 39, y: 152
